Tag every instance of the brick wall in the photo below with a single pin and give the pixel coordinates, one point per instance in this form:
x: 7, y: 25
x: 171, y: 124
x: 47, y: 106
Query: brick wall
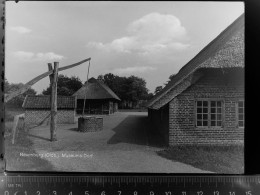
x: 34, y: 117
x: 215, y: 84
x: 90, y: 124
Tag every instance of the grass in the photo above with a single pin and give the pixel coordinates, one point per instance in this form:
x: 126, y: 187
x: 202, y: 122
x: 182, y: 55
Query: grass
x: 22, y: 145
x: 218, y: 159
x: 133, y: 110
x: 16, y: 162
x: 9, y: 118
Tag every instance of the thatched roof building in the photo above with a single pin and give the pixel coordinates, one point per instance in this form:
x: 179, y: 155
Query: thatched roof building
x: 94, y: 89
x: 204, y: 102
x: 100, y: 99
x: 217, y: 54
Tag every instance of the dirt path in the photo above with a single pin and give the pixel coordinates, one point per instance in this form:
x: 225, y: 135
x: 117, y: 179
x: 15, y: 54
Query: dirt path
x: 124, y: 145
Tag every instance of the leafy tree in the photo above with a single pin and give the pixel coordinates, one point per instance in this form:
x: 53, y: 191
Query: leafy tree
x: 170, y: 78
x: 158, y: 89
x: 130, y: 88
x: 149, y: 96
x: 17, y: 101
x: 137, y: 88
x: 66, y: 86
x: 101, y: 78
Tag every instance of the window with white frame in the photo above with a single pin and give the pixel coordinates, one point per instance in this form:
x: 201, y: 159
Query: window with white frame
x: 202, y: 113
x: 215, y: 113
x: 241, y: 113
x: 209, y: 113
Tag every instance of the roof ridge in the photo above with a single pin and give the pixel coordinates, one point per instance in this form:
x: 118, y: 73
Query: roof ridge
x: 43, y: 101
x: 196, y: 61
x: 107, y: 92
x: 108, y: 89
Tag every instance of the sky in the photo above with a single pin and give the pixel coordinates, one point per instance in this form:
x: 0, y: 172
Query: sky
x: 151, y: 40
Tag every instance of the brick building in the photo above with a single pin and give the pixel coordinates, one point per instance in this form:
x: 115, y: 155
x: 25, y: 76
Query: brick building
x: 204, y: 102
x: 37, y: 109
x: 99, y: 98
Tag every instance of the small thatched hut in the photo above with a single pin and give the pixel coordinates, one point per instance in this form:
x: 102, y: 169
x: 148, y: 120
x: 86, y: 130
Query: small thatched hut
x: 100, y: 99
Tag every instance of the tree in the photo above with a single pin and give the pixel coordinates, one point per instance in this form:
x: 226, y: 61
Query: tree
x: 158, y: 89
x: 129, y: 89
x: 149, y: 96
x: 170, y: 78
x: 66, y: 86
x: 137, y: 88
x: 101, y: 78
x: 17, y: 101
x: 115, y: 83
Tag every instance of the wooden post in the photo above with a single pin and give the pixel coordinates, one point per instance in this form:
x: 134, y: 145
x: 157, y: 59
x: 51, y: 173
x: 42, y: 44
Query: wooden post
x: 36, y: 79
x: 53, y: 126
x: 51, y: 75
x: 14, y: 128
x: 51, y: 81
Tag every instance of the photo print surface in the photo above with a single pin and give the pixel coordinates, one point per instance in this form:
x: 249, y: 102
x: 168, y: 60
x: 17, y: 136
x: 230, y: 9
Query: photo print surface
x: 136, y: 87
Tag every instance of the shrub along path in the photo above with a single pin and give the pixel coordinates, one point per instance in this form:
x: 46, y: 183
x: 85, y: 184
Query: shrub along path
x: 124, y: 145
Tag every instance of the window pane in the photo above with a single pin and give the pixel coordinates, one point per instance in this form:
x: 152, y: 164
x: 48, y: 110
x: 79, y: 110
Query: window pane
x: 205, y: 104
x: 213, y: 117
x: 205, y: 116
x: 199, y: 116
x: 219, y: 103
x: 219, y: 110
x: 213, y: 123
x: 199, y: 123
x: 205, y: 123
x: 199, y: 110
x: 205, y: 110
x: 213, y: 110
x: 218, y: 123
x: 241, y: 113
x: 199, y: 103
x: 213, y: 104
x: 219, y: 117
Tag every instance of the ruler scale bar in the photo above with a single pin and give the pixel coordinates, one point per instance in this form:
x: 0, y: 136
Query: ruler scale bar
x: 165, y: 185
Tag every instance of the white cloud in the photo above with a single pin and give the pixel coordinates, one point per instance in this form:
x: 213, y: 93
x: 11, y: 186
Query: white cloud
x: 23, y: 55
x: 20, y: 29
x: 26, y: 56
x: 150, y: 34
x: 134, y: 69
x: 48, y: 56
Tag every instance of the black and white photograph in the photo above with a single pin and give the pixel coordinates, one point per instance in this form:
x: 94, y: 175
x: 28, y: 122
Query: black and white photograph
x: 124, y: 87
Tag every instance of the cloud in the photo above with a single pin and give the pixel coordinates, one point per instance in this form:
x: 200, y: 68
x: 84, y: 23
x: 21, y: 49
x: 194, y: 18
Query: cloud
x: 23, y: 55
x: 20, y: 29
x: 26, y: 56
x: 150, y: 34
x: 48, y: 56
x: 134, y: 69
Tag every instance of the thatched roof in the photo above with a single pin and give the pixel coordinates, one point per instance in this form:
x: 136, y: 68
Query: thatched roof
x: 94, y: 89
x: 225, y: 51
x: 43, y: 102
